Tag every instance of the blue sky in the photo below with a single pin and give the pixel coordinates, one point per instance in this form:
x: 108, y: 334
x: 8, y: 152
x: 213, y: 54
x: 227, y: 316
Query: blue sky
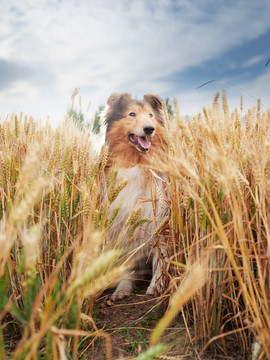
x: 167, y: 47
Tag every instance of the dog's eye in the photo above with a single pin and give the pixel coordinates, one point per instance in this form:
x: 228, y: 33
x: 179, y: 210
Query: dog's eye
x: 151, y: 115
x: 132, y: 114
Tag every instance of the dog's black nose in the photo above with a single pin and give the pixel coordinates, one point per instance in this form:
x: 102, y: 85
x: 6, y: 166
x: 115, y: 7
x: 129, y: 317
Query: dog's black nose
x: 149, y: 129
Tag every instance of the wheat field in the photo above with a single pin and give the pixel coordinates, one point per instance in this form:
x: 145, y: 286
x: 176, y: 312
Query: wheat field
x: 54, y: 258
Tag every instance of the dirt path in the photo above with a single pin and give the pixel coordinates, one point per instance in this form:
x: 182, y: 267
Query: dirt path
x: 129, y: 323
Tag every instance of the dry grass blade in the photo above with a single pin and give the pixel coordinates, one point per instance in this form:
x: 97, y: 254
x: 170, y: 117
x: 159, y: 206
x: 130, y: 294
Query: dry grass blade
x: 195, y: 280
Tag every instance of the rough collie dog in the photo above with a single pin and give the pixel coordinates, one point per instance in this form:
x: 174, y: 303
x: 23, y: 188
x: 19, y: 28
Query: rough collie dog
x: 135, y: 137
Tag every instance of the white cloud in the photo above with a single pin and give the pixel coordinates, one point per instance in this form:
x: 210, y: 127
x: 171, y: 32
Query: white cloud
x: 118, y: 46
x: 255, y: 60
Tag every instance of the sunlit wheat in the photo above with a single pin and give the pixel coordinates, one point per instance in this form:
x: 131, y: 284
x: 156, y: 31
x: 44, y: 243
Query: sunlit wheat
x: 55, y: 258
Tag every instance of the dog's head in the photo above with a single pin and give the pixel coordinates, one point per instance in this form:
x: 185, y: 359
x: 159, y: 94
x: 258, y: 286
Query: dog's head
x: 133, y: 122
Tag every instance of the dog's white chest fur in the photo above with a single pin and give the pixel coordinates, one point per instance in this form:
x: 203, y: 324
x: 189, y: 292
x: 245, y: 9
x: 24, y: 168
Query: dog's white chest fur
x: 141, y: 192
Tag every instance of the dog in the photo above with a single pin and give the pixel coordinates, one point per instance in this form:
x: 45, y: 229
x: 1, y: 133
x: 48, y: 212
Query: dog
x: 135, y: 135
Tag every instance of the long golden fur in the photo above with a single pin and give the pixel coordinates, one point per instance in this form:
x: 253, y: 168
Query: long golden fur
x: 136, y: 137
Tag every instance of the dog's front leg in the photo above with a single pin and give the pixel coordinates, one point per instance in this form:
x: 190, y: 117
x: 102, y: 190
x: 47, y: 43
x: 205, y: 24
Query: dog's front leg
x: 158, y: 282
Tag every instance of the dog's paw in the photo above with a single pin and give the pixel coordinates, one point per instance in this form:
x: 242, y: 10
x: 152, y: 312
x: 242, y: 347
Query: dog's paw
x: 156, y: 287
x: 123, y: 289
x: 152, y: 291
x: 119, y: 295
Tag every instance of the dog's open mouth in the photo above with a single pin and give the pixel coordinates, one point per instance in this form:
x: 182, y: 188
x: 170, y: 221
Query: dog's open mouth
x: 142, y: 142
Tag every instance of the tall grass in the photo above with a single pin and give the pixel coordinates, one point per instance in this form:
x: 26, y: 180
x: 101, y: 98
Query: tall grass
x: 220, y: 211
x: 53, y: 258
x: 52, y: 233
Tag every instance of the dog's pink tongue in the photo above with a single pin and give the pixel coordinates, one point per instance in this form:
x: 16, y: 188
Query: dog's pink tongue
x: 144, y: 142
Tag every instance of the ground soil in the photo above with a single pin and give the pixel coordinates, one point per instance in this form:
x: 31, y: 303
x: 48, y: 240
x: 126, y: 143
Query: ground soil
x: 129, y: 323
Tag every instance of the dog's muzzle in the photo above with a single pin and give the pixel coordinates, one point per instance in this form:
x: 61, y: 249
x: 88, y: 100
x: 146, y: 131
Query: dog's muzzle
x: 143, y: 137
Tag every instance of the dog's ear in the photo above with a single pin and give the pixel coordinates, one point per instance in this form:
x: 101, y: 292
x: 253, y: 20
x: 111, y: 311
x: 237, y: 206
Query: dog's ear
x: 116, y: 97
x: 154, y: 100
